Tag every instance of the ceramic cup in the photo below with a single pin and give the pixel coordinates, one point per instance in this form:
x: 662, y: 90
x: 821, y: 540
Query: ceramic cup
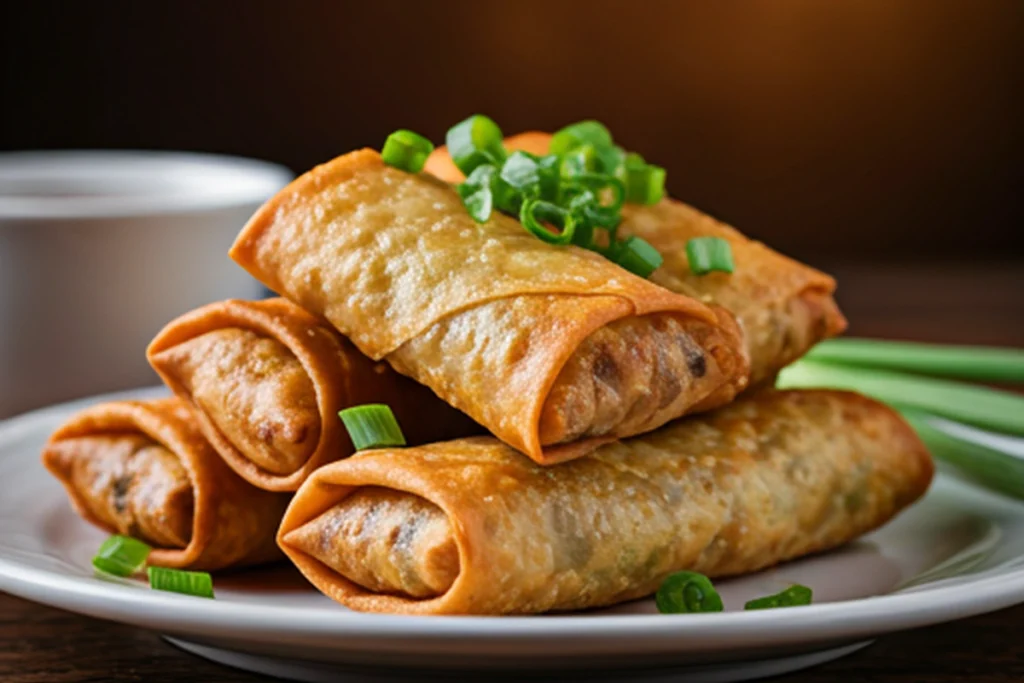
x: 100, y: 249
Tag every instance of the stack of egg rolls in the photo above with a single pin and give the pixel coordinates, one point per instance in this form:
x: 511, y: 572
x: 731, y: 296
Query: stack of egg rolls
x: 783, y: 307
x: 554, y: 350
x: 590, y: 489
x: 471, y: 527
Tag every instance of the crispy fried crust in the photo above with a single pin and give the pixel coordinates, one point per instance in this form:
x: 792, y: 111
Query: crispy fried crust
x: 773, y: 476
x: 485, y: 315
x: 783, y: 306
x: 266, y: 380
x: 113, y: 459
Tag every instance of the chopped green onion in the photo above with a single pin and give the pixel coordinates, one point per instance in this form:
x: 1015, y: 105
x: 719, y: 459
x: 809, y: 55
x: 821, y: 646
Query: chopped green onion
x: 998, y: 470
x: 1000, y: 411
x: 793, y: 596
x: 583, y: 133
x: 583, y: 159
x: 475, y: 141
x: 686, y: 592
x: 612, y: 161
x: 979, y: 363
x: 406, y: 150
x: 198, y: 584
x: 603, y: 185
x: 707, y: 254
x: 645, y: 183
x: 121, y: 556
x: 637, y: 256
x: 536, y: 212
x: 522, y: 172
x: 372, y: 426
x: 478, y: 194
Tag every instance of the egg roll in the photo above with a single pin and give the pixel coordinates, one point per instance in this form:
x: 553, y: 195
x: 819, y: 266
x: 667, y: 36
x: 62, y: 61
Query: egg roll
x: 472, y: 527
x: 143, y: 469
x: 783, y: 307
x: 265, y: 380
x: 554, y: 350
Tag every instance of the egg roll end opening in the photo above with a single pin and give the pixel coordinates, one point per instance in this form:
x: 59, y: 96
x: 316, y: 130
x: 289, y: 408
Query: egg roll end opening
x: 385, y: 541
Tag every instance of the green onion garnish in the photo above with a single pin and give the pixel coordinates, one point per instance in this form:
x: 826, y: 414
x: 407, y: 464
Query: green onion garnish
x: 999, y: 411
x: 198, y: 584
x: 793, y: 596
x: 979, y: 363
x: 121, y: 556
x: 685, y: 592
x: 707, y: 254
x: 579, y: 187
x: 536, y: 212
x: 406, y: 150
x: 475, y: 141
x: 372, y: 426
x: 478, y: 193
x: 569, y: 138
x: 637, y: 256
x: 645, y: 183
x: 998, y: 470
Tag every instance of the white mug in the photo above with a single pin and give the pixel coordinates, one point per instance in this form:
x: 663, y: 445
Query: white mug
x: 100, y: 249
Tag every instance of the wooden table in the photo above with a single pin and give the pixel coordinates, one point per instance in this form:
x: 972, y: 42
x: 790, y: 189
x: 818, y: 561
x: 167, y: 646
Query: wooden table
x: 938, y: 302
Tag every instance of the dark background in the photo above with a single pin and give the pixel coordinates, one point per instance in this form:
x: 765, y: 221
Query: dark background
x: 872, y: 129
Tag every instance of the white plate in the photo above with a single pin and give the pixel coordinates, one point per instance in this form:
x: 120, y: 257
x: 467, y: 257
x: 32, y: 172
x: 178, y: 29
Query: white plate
x: 957, y: 553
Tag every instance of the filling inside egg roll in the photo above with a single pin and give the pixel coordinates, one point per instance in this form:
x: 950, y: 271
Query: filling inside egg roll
x: 266, y: 380
x: 783, y: 307
x: 143, y: 469
x: 553, y: 349
x: 472, y: 527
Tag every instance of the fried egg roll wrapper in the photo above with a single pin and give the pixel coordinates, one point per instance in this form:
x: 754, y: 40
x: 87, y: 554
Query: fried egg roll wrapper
x: 784, y: 307
x: 266, y: 380
x: 143, y: 469
x: 472, y: 527
x: 553, y: 349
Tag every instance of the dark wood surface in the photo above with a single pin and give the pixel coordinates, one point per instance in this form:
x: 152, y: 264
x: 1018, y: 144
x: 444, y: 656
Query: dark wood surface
x: 935, y: 302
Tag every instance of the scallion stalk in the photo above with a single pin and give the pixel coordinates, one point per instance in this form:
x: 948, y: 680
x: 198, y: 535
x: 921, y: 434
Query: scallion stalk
x: 983, y: 464
x: 979, y: 363
x: 992, y: 409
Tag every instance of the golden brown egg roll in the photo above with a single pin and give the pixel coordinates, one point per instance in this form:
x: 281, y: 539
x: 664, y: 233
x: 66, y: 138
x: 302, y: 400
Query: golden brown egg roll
x: 143, y: 469
x: 266, y: 380
x: 472, y: 527
x: 784, y: 307
x: 553, y: 349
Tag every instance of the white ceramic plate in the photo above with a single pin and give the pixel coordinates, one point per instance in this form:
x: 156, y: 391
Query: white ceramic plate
x: 957, y: 553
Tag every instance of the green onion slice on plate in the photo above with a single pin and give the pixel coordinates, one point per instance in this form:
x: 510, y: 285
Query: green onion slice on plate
x: 686, y: 592
x: 707, y: 254
x: 793, y: 596
x: 406, y: 150
x: 477, y: 140
x: 121, y: 556
x: 372, y: 426
x: 198, y: 584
